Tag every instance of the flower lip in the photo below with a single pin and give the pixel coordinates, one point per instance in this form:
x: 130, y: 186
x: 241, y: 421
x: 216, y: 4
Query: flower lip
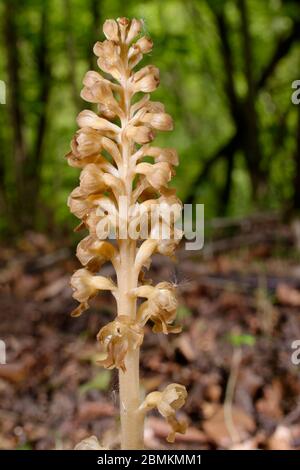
x: 167, y: 402
x: 118, y: 337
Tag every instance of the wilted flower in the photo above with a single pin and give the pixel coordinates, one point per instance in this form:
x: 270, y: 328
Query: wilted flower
x: 167, y: 403
x: 117, y: 337
x: 92, y: 180
x: 80, y: 205
x: 93, y: 252
x: 160, y: 307
x: 89, y: 443
x: 85, y: 285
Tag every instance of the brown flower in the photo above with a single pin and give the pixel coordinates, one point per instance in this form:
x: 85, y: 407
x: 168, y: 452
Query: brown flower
x: 111, y: 30
x: 87, y: 143
x: 140, y: 134
x: 79, y: 205
x: 85, y: 285
x: 160, y: 121
x: 89, y: 443
x: 167, y: 403
x: 118, y: 337
x: 93, y: 252
x: 160, y: 307
x: 145, y: 80
x: 109, y: 58
x: 87, y: 118
x: 158, y: 175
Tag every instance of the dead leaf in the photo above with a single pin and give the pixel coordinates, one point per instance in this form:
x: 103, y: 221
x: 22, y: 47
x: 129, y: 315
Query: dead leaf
x: 288, y: 295
x: 161, y: 429
x: 90, y: 443
x: 216, y: 429
x: 19, y: 371
x: 185, y: 346
x: 92, y: 410
x: 270, y: 404
x: 281, y: 439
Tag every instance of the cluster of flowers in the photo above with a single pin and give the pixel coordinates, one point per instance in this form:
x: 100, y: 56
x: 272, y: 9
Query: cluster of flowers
x: 109, y: 148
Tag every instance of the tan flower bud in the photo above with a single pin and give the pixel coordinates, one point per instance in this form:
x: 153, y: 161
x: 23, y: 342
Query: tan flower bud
x: 144, y: 44
x: 118, y: 337
x: 91, y: 77
x: 109, y: 58
x: 79, y: 205
x: 88, y: 118
x: 85, y: 285
x: 133, y: 30
x: 92, y: 180
x: 144, y: 253
x: 168, y: 155
x: 123, y: 27
x: 145, y: 80
x: 167, y: 403
x: 88, y: 142
x: 140, y: 134
x: 159, y: 154
x: 154, y: 107
x: 111, y: 30
x: 160, y: 121
x: 110, y: 147
x: 86, y: 146
x: 158, y: 174
x: 99, y: 92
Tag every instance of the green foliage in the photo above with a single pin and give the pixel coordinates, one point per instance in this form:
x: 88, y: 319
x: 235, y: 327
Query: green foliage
x: 101, y: 381
x: 188, y: 51
x: 238, y: 340
x: 183, y: 312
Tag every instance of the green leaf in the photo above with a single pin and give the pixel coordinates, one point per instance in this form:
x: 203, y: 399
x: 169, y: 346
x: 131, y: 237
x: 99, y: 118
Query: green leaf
x: 99, y: 382
x: 183, y: 312
x: 241, y: 340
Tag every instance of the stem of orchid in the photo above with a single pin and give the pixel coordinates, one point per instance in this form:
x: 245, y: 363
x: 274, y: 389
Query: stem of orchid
x: 132, y: 422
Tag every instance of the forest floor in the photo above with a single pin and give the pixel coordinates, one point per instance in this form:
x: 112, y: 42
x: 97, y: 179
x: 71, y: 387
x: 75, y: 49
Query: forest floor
x: 239, y: 307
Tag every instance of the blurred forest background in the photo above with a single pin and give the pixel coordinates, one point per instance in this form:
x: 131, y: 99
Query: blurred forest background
x: 227, y: 68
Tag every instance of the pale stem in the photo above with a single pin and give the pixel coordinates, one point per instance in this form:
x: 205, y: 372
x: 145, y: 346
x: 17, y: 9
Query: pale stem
x: 132, y: 421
